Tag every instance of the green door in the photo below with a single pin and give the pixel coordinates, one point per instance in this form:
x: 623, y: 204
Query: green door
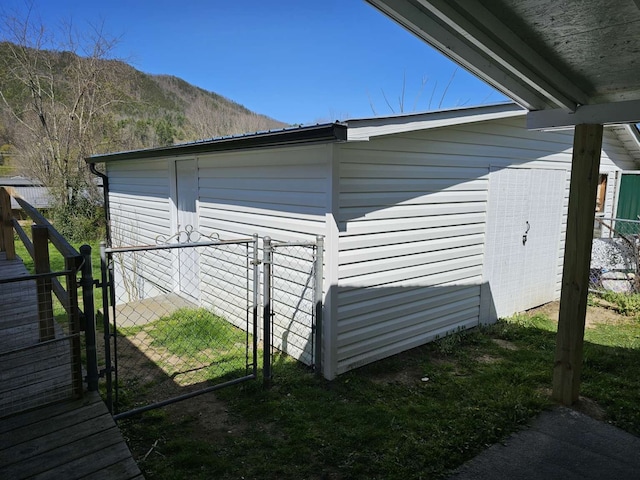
x: 629, y: 198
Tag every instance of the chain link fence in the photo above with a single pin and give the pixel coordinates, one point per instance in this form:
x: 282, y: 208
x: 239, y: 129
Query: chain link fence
x: 293, y: 273
x: 615, y: 256
x: 181, y: 319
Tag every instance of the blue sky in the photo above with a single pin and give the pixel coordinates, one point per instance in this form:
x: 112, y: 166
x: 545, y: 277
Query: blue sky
x: 299, y: 61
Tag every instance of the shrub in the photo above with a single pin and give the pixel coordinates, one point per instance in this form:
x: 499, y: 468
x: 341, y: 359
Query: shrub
x: 82, y: 221
x: 625, y: 303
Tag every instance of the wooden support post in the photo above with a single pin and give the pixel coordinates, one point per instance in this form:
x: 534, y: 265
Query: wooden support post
x: 7, y: 244
x: 585, y: 165
x: 40, y: 235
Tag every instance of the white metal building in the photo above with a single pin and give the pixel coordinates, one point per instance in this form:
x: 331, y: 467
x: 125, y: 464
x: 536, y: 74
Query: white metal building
x: 432, y: 222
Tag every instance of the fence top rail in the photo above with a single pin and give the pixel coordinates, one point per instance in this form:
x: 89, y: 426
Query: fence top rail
x: 43, y: 344
x: 172, y: 246
x: 608, y: 219
x: 292, y: 244
x: 36, y: 276
x: 61, y: 243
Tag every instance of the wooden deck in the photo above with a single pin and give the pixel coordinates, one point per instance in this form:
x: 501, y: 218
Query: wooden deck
x: 46, y: 433
x: 32, y: 373
x: 71, y: 440
x: 18, y: 307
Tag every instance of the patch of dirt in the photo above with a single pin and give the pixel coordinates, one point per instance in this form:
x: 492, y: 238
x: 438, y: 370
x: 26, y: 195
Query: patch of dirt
x: 161, y: 375
x: 487, y: 359
x: 583, y: 405
x: 208, y: 416
x: 589, y: 407
x: 203, y: 418
x: 406, y: 377
x: 507, y: 345
x: 596, y: 315
x: 451, y: 365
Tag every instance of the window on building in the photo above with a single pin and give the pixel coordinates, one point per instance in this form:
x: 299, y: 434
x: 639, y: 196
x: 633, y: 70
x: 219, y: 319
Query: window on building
x: 602, y: 192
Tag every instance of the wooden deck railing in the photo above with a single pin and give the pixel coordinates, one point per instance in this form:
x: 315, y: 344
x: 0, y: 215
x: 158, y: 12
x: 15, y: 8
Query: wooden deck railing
x: 37, y: 245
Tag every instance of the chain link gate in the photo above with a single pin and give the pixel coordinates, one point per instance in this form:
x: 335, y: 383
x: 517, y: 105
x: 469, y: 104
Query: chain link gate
x: 180, y: 319
x: 292, y: 297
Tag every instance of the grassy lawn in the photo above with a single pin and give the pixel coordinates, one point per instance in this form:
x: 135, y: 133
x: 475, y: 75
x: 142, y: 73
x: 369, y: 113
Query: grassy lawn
x: 57, y: 264
x: 419, y: 414
x: 189, y: 346
x: 57, y: 261
x: 416, y: 415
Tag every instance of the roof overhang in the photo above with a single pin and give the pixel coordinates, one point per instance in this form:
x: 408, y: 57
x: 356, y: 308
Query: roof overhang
x: 602, y: 114
x: 569, y: 62
x: 330, y: 132
x: 352, y: 130
x: 366, y: 128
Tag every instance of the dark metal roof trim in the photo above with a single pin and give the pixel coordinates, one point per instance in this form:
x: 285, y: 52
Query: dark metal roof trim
x: 329, y: 132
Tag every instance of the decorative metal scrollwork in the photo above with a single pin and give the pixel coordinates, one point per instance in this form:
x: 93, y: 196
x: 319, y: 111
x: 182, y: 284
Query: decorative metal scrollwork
x: 188, y: 235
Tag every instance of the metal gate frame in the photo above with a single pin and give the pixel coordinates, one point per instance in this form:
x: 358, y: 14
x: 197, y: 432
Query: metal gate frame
x: 270, y: 250
x: 107, y: 284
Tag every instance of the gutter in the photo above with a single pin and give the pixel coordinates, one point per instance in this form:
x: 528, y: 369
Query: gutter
x: 633, y: 131
x: 105, y: 194
x: 330, y: 132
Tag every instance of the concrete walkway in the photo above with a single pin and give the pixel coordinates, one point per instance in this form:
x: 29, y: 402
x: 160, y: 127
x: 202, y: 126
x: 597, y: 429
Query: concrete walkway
x: 141, y: 312
x: 560, y: 444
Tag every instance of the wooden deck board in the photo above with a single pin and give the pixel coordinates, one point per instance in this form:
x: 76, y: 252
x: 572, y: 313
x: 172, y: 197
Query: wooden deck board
x: 44, y: 432
x: 64, y: 420
x: 73, y: 440
x: 29, y: 360
x: 31, y: 373
x: 35, y: 416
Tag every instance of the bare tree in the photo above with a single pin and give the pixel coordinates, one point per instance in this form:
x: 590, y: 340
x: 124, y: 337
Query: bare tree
x: 401, y: 108
x: 209, y: 117
x: 205, y: 123
x: 56, y: 86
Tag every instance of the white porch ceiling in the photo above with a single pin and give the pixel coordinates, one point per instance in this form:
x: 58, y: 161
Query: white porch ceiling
x: 568, y: 61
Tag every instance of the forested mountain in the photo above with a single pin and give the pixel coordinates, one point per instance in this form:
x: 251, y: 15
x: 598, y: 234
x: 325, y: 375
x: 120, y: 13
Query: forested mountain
x: 58, y: 107
x: 111, y: 104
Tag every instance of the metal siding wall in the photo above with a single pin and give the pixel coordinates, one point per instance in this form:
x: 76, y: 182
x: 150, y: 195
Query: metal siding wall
x: 547, y: 150
x: 38, y: 197
x: 411, y: 219
x: 412, y: 222
x: 523, y: 202
x: 140, y: 212
x: 281, y: 193
x: 411, y: 243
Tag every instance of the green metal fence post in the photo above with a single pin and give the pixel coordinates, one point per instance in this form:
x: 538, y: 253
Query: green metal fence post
x: 267, y: 250
x: 87, y: 284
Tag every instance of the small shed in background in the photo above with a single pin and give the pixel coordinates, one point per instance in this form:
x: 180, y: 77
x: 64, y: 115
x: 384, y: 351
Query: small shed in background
x: 433, y: 222
x: 30, y: 190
